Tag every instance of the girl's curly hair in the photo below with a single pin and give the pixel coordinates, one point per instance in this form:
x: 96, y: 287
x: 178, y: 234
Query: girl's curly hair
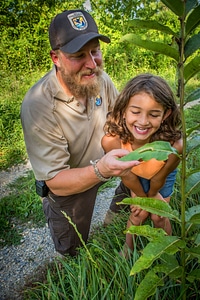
x: 157, y: 88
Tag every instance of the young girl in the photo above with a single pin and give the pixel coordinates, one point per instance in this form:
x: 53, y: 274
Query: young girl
x: 145, y: 111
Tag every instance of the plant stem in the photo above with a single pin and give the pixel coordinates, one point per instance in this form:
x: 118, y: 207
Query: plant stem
x: 183, y: 169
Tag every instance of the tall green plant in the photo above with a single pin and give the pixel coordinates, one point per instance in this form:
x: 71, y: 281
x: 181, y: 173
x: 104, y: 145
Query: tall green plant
x: 184, y: 50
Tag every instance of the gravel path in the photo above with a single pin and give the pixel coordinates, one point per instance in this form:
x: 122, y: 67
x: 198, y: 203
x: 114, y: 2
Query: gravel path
x: 17, y: 263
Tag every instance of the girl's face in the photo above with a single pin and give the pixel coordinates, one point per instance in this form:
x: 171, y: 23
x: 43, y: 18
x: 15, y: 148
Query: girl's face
x: 143, y: 116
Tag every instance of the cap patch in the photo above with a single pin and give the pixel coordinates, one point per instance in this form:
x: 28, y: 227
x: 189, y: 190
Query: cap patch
x: 98, y: 101
x: 78, y: 21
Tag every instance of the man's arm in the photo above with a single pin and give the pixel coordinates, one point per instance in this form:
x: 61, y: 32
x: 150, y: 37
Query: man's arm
x: 73, y: 181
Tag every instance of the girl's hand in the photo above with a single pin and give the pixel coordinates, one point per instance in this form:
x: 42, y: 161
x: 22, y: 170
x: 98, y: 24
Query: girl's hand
x: 135, y: 210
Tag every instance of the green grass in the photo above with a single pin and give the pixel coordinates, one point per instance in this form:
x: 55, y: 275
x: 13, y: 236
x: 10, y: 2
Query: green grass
x: 101, y: 274
x: 21, y: 207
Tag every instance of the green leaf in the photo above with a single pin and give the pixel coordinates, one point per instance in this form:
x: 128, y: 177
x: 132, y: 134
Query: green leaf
x: 159, y: 150
x: 151, y: 281
x: 195, y: 219
x: 193, y: 143
x: 197, y: 239
x: 195, y: 95
x: 153, y: 46
x: 171, y: 270
x: 192, y: 45
x: 191, y: 211
x: 147, y: 231
x: 193, y: 20
x: 166, y: 244
x: 169, y: 260
x: 176, y: 6
x: 193, y: 184
x: 153, y: 206
x: 194, y: 252
x: 192, y: 129
x: 151, y: 24
x: 194, y: 275
x: 192, y: 68
x: 189, y: 5
x: 148, y: 286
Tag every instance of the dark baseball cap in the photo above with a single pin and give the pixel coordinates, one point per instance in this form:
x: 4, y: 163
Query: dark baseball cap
x: 70, y: 30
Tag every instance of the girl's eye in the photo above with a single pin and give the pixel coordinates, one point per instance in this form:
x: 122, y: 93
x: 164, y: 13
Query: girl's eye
x: 135, y: 112
x: 154, y: 116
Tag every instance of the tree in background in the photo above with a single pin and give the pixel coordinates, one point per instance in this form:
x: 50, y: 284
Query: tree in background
x: 24, y: 44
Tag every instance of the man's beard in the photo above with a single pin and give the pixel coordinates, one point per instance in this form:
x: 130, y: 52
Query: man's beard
x: 73, y: 83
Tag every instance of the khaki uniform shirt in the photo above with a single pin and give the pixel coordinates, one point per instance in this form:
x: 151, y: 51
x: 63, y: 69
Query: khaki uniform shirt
x: 59, y: 132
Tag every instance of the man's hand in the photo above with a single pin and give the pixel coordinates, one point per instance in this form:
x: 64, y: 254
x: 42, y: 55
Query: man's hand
x: 109, y: 165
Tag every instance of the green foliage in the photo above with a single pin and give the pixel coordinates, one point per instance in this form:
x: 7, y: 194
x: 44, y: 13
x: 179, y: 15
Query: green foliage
x: 13, y: 89
x: 21, y: 206
x: 183, y: 51
x: 172, y: 50
x: 24, y: 44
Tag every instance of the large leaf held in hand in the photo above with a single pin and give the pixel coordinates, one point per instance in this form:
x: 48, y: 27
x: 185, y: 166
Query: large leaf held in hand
x: 159, y: 150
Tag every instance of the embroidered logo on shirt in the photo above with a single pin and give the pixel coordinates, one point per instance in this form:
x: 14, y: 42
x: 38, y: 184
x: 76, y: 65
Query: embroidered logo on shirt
x: 98, y: 100
x: 78, y: 21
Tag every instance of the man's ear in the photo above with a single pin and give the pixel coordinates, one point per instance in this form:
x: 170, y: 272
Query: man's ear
x: 166, y: 115
x: 54, y: 57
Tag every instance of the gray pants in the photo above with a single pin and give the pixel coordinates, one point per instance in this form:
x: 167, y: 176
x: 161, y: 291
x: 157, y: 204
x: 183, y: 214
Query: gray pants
x: 79, y: 208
